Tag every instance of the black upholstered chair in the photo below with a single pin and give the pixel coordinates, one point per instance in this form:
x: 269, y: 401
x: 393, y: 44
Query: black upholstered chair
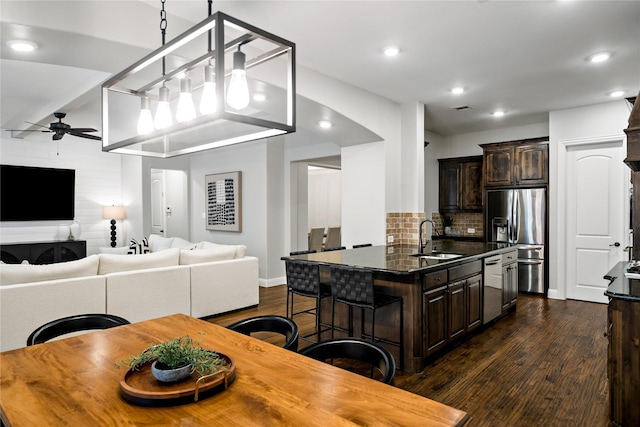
x: 354, y: 287
x: 354, y: 349
x: 310, y: 251
x: 362, y: 245
x: 303, y: 279
x: 339, y: 248
x: 76, y: 323
x: 270, y: 323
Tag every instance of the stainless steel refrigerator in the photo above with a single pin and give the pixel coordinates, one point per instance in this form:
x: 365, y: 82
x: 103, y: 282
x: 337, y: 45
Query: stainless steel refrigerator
x: 518, y: 216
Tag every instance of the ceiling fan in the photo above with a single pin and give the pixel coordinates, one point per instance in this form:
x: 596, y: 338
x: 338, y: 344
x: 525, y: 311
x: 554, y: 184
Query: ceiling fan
x: 59, y: 129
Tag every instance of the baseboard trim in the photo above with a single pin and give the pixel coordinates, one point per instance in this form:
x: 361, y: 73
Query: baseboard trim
x: 267, y: 283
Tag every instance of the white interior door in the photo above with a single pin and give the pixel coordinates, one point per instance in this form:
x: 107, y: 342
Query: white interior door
x: 157, y: 203
x: 597, y: 216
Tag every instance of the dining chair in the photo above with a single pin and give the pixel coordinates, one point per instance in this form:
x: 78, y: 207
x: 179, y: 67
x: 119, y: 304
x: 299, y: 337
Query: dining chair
x: 356, y: 349
x: 270, y: 323
x: 303, y: 279
x: 334, y: 239
x: 316, y: 238
x: 334, y: 249
x: 75, y: 323
x: 354, y: 287
x: 311, y: 251
x: 362, y: 245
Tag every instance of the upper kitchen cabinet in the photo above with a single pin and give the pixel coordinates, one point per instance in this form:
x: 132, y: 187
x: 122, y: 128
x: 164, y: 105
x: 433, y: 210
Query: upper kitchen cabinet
x: 460, y: 184
x: 516, y: 163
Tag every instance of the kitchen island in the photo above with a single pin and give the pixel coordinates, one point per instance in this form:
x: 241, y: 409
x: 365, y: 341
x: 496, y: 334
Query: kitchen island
x: 442, y: 298
x: 623, y: 332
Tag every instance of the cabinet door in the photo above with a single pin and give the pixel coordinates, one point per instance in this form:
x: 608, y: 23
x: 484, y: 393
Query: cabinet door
x: 457, y: 310
x: 471, y: 189
x: 513, y: 284
x: 69, y: 251
x: 498, y: 163
x: 449, y: 192
x: 506, y: 288
x: 532, y: 164
x: 435, y: 328
x: 474, y: 302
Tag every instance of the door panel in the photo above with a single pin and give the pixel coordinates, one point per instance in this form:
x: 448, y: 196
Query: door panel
x: 596, y: 219
x: 157, y: 203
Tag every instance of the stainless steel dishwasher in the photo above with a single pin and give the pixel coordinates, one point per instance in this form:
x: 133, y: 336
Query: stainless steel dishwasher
x: 492, y: 306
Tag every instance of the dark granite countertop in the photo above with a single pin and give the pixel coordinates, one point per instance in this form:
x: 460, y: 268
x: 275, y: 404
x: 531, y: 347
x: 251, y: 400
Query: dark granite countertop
x: 397, y: 259
x: 621, y: 286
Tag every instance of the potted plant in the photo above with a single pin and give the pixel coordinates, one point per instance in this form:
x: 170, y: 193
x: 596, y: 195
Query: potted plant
x: 176, y: 359
x: 447, y: 222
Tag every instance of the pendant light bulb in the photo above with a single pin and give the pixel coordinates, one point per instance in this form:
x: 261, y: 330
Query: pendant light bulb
x: 208, y: 100
x: 163, y: 112
x: 185, y: 110
x: 145, y: 121
x: 238, y: 92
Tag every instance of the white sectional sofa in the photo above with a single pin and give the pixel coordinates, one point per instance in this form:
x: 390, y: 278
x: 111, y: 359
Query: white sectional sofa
x: 200, y: 280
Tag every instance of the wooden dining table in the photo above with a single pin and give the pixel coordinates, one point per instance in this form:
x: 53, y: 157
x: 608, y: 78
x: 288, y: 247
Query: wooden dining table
x: 74, y: 381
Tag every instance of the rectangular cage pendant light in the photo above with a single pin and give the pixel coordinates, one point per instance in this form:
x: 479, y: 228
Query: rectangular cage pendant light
x: 222, y: 82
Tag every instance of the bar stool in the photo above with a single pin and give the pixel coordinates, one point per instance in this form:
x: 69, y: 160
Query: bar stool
x: 353, y: 286
x: 303, y: 279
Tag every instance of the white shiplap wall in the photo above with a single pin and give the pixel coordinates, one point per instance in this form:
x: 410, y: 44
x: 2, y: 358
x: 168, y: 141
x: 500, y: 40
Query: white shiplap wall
x: 98, y: 183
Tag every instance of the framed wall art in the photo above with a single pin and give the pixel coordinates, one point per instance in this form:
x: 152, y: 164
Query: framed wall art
x: 223, y: 192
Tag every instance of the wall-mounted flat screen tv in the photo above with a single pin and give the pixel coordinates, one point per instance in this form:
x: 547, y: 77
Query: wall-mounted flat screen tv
x: 36, y: 194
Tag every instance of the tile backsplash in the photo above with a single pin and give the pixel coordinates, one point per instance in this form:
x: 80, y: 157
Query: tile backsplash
x: 462, y: 222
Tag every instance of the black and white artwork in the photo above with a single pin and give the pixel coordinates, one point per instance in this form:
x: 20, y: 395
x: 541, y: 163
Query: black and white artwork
x: 223, y: 201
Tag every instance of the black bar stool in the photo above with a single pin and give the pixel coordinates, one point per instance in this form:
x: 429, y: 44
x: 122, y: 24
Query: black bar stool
x: 303, y: 278
x: 353, y: 286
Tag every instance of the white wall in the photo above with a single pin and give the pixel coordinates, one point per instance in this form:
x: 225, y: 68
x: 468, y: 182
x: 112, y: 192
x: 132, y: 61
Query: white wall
x: 577, y: 124
x: 325, y: 197
x: 363, y: 201
x: 98, y: 183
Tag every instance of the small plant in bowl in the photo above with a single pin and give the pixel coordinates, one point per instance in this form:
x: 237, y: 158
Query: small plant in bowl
x: 447, y: 222
x: 176, y: 359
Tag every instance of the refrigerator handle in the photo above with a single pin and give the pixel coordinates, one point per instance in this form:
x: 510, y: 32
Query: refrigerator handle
x: 514, y: 216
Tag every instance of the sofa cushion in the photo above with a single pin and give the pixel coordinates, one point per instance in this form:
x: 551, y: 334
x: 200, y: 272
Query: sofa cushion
x: 110, y: 263
x: 120, y: 250
x: 26, y: 273
x: 159, y: 243
x: 197, y: 256
x: 239, y: 249
x: 182, y: 244
x: 138, y: 248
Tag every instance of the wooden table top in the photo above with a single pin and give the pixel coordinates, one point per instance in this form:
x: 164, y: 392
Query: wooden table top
x: 74, y: 382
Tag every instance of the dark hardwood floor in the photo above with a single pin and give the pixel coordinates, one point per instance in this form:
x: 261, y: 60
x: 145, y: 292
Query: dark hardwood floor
x: 544, y: 365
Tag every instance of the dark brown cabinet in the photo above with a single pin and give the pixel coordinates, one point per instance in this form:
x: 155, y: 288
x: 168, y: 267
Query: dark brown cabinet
x: 623, y: 368
x: 451, y: 310
x: 517, y: 163
x: 43, y: 252
x: 460, y: 186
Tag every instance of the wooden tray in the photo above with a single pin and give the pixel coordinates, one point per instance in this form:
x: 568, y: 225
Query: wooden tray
x: 141, y: 388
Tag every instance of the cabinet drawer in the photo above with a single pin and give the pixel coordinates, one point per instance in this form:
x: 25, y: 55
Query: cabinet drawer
x: 465, y: 270
x: 435, y: 279
x: 509, y: 257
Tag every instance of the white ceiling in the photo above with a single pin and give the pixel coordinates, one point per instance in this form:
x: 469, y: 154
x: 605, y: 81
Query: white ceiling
x: 526, y: 57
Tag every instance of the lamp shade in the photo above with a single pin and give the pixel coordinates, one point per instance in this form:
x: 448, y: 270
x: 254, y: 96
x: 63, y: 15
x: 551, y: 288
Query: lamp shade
x: 113, y: 212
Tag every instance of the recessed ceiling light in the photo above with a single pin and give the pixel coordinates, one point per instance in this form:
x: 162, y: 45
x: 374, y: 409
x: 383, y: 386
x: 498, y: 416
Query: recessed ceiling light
x: 616, y: 93
x: 498, y: 113
x: 22, y: 45
x: 325, y: 124
x: 260, y: 97
x: 391, y: 51
x: 599, y: 57
x: 457, y: 90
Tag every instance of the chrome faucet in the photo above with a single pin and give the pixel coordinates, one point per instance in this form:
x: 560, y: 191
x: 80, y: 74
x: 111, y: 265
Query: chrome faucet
x: 421, y: 244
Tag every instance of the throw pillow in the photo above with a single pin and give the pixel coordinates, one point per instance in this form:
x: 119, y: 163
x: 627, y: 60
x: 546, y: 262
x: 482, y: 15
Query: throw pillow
x: 159, y: 243
x: 138, y: 248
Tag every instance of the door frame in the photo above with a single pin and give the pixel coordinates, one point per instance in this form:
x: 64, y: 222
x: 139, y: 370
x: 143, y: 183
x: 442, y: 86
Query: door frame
x: 560, y: 292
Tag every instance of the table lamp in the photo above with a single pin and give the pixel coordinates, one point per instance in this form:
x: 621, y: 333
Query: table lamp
x: 113, y: 212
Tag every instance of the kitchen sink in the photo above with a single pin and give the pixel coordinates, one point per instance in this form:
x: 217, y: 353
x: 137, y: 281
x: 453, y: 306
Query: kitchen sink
x: 438, y: 256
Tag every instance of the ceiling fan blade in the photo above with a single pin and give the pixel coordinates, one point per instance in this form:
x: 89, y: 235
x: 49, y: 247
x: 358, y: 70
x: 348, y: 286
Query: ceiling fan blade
x: 83, y: 135
x: 37, y: 124
x: 79, y: 130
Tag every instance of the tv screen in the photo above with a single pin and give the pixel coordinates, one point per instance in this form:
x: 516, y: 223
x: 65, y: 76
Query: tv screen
x: 36, y: 194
